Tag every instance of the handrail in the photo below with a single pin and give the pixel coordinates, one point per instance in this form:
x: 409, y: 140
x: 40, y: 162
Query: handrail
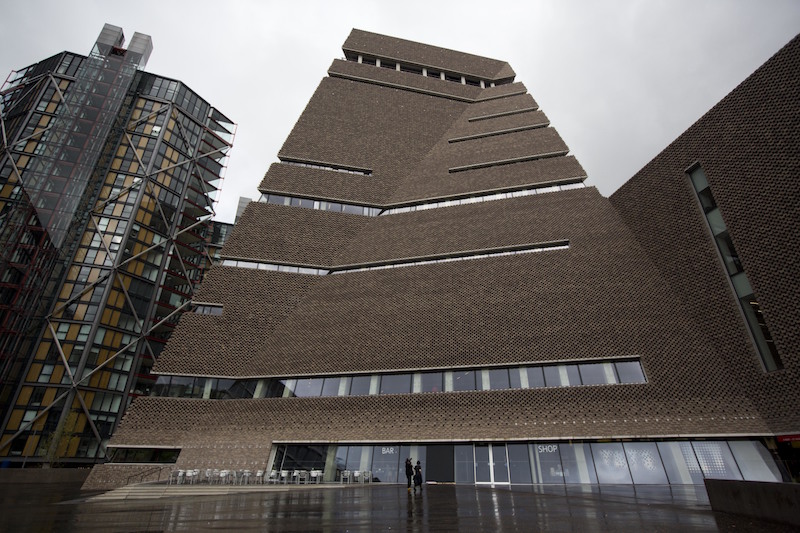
x: 141, y: 475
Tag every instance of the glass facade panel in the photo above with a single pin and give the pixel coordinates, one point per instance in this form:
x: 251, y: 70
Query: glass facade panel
x: 755, y: 461
x: 535, y: 377
x: 500, y: 463
x: 630, y: 372
x: 464, y: 380
x: 465, y: 466
x: 386, y: 463
x: 498, y: 379
x: 593, y: 374
x: 577, y: 463
x: 680, y: 463
x: 358, y: 458
x: 561, y: 376
x: 341, y: 460
x: 359, y: 385
x: 716, y: 460
x: 546, y: 464
x: 610, y: 463
x: 330, y: 386
x: 552, y: 377
x: 308, y: 387
x: 396, y: 384
x: 644, y: 462
x: 519, y: 463
x: 222, y: 389
x: 432, y: 382
x: 483, y: 473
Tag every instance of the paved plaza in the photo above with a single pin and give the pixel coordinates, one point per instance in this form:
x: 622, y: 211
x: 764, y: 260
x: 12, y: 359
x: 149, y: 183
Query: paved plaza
x: 53, y: 507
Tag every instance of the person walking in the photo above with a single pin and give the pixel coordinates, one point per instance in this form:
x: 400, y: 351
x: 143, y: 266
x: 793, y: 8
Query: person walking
x: 409, y: 472
x: 418, y: 477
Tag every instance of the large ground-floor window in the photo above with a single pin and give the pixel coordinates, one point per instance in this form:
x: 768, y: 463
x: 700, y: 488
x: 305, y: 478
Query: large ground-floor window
x: 524, y: 463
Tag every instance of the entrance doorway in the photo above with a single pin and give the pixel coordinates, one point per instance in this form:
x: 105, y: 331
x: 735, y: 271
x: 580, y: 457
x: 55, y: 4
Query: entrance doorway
x: 491, y: 464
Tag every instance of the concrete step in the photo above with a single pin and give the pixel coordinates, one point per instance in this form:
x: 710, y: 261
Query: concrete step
x: 159, y: 490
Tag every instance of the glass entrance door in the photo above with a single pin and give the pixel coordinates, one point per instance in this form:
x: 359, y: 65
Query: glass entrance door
x: 491, y: 464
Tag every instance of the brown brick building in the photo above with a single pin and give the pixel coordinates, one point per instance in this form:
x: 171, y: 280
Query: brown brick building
x: 426, y: 276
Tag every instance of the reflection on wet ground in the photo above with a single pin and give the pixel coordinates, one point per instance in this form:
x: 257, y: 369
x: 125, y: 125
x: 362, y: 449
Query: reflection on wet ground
x: 34, y: 507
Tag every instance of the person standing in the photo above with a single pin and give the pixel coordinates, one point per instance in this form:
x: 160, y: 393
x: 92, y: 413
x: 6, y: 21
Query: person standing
x: 418, y: 477
x: 409, y: 472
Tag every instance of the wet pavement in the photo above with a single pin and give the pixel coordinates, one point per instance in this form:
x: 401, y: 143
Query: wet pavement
x: 38, y: 507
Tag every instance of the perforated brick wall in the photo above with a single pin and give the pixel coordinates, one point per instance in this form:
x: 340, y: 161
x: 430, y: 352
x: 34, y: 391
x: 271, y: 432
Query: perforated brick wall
x: 748, y: 146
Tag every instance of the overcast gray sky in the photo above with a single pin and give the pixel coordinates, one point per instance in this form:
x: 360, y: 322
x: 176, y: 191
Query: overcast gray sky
x: 619, y: 79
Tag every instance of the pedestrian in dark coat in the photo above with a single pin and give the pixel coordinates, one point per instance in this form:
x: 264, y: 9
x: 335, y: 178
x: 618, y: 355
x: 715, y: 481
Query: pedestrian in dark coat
x: 418, y: 477
x: 409, y: 472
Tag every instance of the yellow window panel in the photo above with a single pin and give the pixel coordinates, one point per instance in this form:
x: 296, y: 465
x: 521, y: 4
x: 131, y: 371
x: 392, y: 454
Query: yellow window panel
x: 30, y: 146
x: 24, y: 395
x: 80, y: 424
x: 94, y: 275
x: 80, y: 312
x: 94, y: 381
x: 106, y: 318
x: 33, y: 373
x: 116, y: 163
x: 58, y: 373
x: 14, y: 421
x: 22, y: 162
x: 39, y: 424
x: 30, y: 445
x: 41, y: 351
x: 66, y: 291
x: 88, y: 397
x: 72, y: 449
x: 101, y: 258
x: 44, y: 121
x: 63, y: 84
x: 104, y: 377
x: 49, y: 396
x: 134, y: 167
x: 51, y: 107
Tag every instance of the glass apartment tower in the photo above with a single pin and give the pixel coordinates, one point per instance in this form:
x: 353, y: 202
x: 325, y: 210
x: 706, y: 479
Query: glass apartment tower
x: 108, y: 176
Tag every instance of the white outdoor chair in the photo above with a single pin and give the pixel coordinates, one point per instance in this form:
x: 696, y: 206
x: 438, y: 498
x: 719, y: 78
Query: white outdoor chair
x: 259, y: 477
x: 345, y: 476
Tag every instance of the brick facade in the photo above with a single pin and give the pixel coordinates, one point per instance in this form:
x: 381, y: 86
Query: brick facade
x: 640, y: 277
